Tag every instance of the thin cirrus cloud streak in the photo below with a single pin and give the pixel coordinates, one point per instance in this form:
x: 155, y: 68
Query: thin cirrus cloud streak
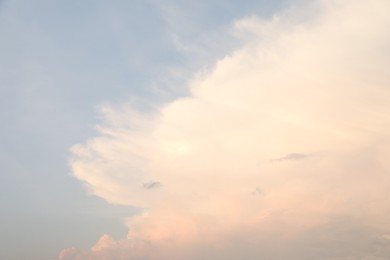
x: 314, y: 94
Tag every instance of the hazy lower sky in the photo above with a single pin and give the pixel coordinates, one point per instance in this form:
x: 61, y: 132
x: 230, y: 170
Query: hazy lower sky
x: 195, y: 130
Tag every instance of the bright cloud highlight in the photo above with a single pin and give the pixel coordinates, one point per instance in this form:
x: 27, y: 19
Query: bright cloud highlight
x: 280, y: 152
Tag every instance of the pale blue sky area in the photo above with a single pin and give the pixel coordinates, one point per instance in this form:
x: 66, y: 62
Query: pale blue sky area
x: 60, y: 60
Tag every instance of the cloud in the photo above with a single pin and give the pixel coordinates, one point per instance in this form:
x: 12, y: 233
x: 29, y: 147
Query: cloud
x: 152, y: 185
x: 291, y: 156
x: 318, y: 84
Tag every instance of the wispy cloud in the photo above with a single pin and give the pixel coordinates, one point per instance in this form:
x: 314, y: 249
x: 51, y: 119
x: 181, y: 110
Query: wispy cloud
x: 317, y: 84
x: 152, y: 185
x: 290, y: 157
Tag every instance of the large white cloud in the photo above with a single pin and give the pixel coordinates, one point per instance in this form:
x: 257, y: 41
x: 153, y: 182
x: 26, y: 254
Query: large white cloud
x: 280, y: 152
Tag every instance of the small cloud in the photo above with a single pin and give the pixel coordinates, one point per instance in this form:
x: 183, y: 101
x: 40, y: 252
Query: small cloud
x: 386, y: 237
x: 257, y: 192
x: 291, y: 156
x: 152, y: 185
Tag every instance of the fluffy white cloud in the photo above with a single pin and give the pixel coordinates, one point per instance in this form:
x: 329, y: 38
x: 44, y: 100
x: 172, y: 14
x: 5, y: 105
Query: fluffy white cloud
x: 281, y: 151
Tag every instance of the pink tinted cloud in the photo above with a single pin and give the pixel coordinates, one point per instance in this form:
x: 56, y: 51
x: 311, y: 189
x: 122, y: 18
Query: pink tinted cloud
x: 314, y: 94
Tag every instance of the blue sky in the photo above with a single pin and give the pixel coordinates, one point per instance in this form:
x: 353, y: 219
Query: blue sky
x: 60, y: 60
x: 194, y: 129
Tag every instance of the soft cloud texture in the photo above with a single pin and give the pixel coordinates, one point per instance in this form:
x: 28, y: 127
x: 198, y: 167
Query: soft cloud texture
x: 311, y: 90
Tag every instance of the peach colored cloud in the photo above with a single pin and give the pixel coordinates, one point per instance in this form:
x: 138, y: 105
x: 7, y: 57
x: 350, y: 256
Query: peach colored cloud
x: 217, y: 172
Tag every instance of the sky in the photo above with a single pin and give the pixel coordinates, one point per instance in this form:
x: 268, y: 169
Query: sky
x: 195, y: 130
